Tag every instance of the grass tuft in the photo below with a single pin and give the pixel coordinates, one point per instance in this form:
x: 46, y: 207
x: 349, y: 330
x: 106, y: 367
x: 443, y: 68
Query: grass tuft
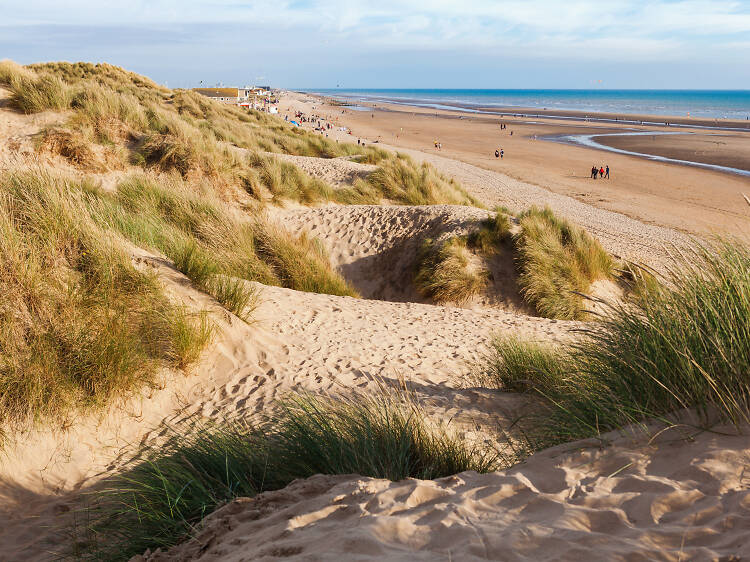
x: 682, y: 344
x: 81, y: 326
x: 402, y: 181
x: 557, y: 261
x: 164, y: 496
x: 33, y: 94
x: 445, y: 272
x: 491, y: 234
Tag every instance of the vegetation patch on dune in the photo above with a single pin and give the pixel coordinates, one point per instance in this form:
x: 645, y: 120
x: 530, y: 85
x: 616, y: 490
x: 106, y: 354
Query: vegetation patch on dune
x: 446, y: 271
x: 492, y: 232
x: 557, y: 263
x: 402, y: 181
x: 137, y: 122
x: 158, y: 501
x: 681, y: 344
x: 80, y: 325
x: 211, y: 246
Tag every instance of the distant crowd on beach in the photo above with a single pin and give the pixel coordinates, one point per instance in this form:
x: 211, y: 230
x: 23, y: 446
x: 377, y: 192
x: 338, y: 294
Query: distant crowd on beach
x: 602, y: 172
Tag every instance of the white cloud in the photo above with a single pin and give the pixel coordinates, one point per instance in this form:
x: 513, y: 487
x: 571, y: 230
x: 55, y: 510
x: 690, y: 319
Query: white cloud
x: 618, y: 28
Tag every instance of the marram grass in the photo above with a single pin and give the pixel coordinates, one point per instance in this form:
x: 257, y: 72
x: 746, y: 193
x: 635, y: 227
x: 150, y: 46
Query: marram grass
x: 557, y: 262
x: 161, y: 499
x: 675, y: 347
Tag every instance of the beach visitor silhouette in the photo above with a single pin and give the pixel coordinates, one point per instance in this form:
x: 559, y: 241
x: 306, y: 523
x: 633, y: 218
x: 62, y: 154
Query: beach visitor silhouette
x: 607, y: 172
x: 497, y: 154
x: 502, y: 153
x: 601, y: 172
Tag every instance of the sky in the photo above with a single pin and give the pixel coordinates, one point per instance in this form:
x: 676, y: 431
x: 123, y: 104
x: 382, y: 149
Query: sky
x: 680, y: 44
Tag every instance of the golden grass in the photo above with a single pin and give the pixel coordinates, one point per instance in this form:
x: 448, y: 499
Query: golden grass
x: 445, y: 272
x: 557, y: 262
x: 80, y: 325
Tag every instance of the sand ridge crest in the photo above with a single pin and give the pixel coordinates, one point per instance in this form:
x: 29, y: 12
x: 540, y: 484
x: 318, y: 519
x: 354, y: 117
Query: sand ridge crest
x: 632, y: 500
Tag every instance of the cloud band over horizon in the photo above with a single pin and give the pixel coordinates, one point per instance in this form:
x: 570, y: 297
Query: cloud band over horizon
x: 305, y: 43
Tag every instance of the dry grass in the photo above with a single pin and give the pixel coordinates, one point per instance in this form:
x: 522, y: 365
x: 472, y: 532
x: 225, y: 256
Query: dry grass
x: 152, y: 127
x: 209, y: 245
x: 402, y: 181
x: 32, y: 93
x: 80, y: 326
x: 445, y: 272
x: 557, y: 262
x: 73, y: 146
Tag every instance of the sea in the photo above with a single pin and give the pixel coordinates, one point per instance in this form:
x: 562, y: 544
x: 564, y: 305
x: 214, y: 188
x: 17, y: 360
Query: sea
x: 712, y: 104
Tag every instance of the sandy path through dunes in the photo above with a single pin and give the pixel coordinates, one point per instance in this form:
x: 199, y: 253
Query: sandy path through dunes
x: 669, y: 501
x: 338, y: 172
x: 300, y: 341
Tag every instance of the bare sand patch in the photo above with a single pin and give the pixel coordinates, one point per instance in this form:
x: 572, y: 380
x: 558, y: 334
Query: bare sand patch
x: 339, y: 172
x: 631, y: 500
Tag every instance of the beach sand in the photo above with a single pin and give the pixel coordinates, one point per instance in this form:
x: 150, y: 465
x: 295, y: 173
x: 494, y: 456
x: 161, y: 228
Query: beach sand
x: 665, y: 500
x: 692, y: 200
x: 671, y: 499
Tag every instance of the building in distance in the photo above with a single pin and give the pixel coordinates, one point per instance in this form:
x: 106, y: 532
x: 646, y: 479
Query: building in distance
x: 256, y: 97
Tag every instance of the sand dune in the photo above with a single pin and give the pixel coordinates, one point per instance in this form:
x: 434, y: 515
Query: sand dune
x: 300, y: 341
x: 335, y: 171
x: 669, y: 500
x: 619, y: 234
x: 675, y: 500
x: 375, y: 246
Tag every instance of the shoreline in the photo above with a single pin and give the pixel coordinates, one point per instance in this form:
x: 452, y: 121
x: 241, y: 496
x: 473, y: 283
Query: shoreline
x: 596, y: 142
x: 695, y: 200
x: 525, y: 112
x: 618, y: 128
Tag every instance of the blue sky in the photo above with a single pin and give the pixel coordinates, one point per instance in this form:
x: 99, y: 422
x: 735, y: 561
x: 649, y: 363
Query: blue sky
x: 390, y: 43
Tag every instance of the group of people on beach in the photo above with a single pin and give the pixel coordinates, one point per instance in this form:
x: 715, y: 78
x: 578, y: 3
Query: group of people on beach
x: 499, y: 153
x: 600, y: 172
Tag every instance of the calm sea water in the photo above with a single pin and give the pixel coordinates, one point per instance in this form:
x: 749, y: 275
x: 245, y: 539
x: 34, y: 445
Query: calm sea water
x: 728, y: 104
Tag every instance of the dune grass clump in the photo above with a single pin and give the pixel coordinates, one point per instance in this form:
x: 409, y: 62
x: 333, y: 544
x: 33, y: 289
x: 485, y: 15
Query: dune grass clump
x: 31, y: 93
x: 162, y: 498
x: 284, y: 181
x: 518, y: 365
x: 299, y: 262
x: 211, y: 246
x: 492, y: 232
x: 402, y: 181
x: 682, y: 344
x: 557, y: 261
x: 80, y: 325
x: 207, y: 273
x: 73, y: 146
x: 446, y: 273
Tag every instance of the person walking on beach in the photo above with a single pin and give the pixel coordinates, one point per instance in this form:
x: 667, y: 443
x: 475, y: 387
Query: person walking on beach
x: 601, y: 172
x: 502, y: 153
x: 497, y: 153
x: 607, y: 174
x: 593, y: 172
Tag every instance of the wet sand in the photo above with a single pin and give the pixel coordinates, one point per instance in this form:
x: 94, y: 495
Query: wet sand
x: 693, y: 200
x: 709, y: 148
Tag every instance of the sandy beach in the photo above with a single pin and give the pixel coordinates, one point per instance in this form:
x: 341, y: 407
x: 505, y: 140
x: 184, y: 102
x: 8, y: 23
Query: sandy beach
x: 667, y: 495
x: 692, y: 200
